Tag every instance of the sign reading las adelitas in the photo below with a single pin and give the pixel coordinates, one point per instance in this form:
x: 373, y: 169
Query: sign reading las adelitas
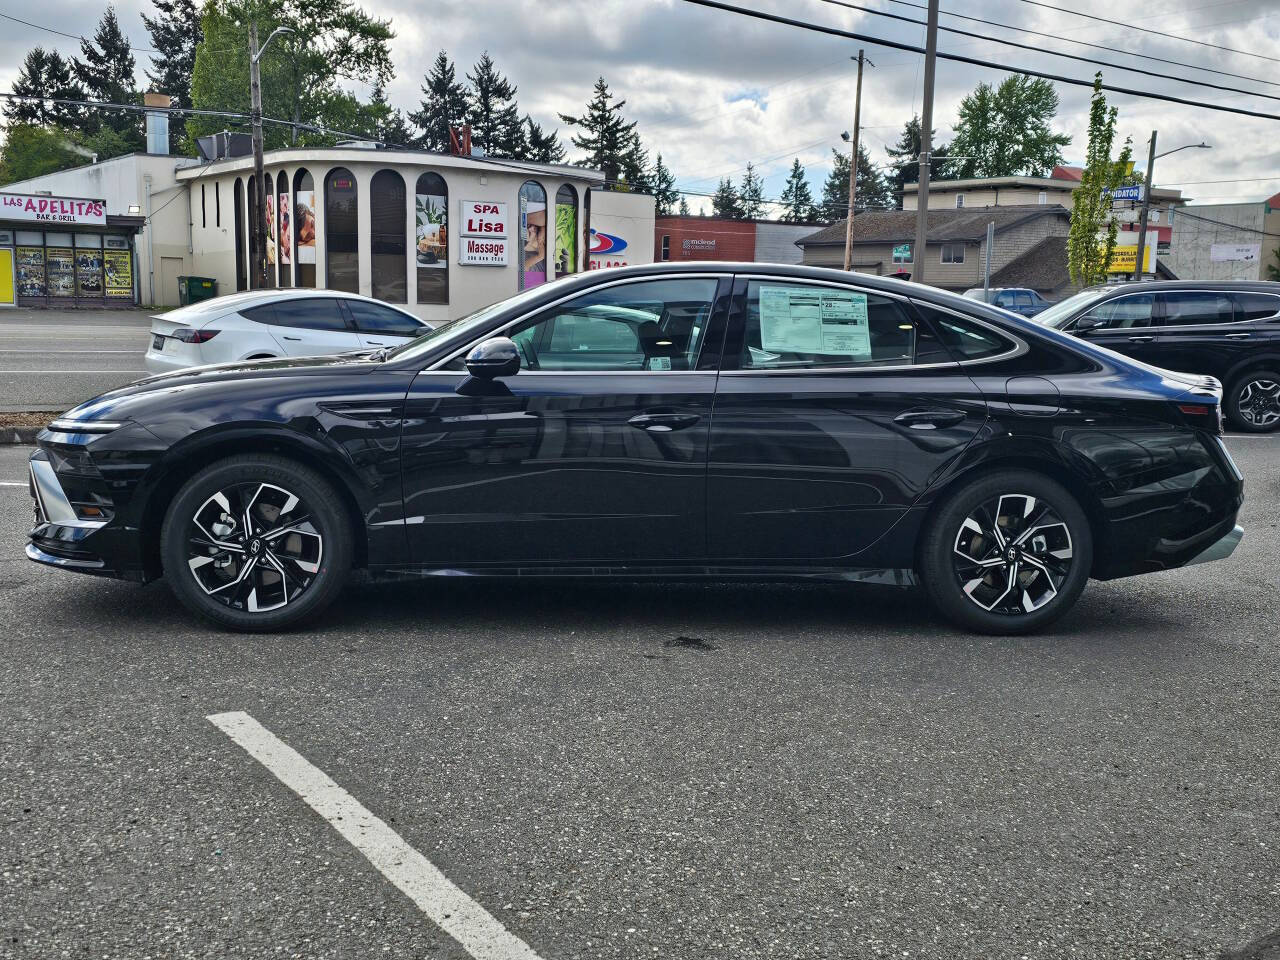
x: 37, y: 209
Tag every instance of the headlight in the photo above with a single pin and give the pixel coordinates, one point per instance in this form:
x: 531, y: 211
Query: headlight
x: 85, y: 426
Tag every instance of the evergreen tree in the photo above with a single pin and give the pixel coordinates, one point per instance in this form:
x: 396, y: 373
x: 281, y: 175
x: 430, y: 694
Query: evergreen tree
x: 684, y: 206
x: 495, y: 121
x: 751, y: 195
x: 664, y: 188
x: 609, y: 141
x: 175, y: 34
x: 445, y: 104
x: 107, y: 75
x: 388, y: 124
x: 44, y: 73
x: 906, y: 156
x: 797, y: 198
x: 873, y: 192
x: 541, y: 146
x: 636, y: 174
x: 725, y: 201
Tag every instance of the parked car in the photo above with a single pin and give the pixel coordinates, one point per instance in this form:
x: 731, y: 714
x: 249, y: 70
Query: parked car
x: 1022, y: 300
x: 1229, y: 330
x: 266, y: 324
x: 863, y: 429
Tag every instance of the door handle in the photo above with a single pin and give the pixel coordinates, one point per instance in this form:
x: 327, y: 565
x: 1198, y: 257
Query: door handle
x: 1237, y: 336
x: 283, y: 337
x: 374, y: 343
x: 929, y: 419
x: 663, y: 422
x: 1142, y: 339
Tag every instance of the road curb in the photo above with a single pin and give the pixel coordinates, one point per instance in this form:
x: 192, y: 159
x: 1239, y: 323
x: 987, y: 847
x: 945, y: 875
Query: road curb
x: 24, y: 436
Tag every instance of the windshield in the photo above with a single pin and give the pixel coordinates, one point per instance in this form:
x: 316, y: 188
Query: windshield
x: 420, y: 344
x: 1058, y: 314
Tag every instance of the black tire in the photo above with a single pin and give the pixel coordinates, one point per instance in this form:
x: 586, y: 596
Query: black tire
x: 1253, y: 401
x: 213, y: 530
x: 1002, y: 584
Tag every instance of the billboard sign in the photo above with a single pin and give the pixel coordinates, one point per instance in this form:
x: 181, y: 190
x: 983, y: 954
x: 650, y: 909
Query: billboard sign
x: 1235, y: 252
x: 483, y: 218
x: 37, y: 209
x: 1133, y: 192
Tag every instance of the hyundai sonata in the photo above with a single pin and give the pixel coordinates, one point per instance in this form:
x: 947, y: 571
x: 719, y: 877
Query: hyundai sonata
x: 709, y: 420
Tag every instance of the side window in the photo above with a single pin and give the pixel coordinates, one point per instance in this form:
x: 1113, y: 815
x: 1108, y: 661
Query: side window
x: 1255, y: 306
x: 652, y: 325
x: 1004, y: 300
x: 265, y: 313
x: 310, y: 313
x: 965, y: 339
x: 375, y: 318
x: 1124, y: 312
x: 798, y: 326
x: 1189, y: 309
x: 1023, y: 299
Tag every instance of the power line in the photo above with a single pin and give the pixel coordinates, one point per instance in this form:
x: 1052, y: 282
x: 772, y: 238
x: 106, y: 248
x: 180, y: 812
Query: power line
x: 1181, y: 212
x: 975, y: 61
x: 1158, y: 33
x: 1053, y: 53
x: 72, y: 36
x: 1086, y: 43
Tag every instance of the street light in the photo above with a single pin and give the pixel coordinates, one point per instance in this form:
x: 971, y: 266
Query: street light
x: 255, y: 116
x: 1152, y: 157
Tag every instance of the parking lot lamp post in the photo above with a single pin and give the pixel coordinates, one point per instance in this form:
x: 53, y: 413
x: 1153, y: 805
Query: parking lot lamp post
x: 255, y: 116
x: 1152, y: 157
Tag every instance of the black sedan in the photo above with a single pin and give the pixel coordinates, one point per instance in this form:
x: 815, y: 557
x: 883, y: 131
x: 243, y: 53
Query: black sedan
x: 725, y: 421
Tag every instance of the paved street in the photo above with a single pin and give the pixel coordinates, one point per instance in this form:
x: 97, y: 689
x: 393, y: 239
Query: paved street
x: 651, y: 770
x: 55, y: 359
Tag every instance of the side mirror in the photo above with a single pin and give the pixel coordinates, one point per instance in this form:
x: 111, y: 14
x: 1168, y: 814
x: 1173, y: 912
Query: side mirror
x: 1085, y: 324
x: 496, y: 357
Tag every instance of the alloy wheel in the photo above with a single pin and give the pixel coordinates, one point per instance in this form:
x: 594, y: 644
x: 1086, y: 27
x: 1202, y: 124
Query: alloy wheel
x: 1012, y: 554
x: 254, y: 547
x: 1259, y: 402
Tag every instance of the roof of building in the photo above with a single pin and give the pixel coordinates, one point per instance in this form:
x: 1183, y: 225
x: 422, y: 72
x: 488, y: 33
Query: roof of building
x: 1065, y: 179
x: 1043, y: 267
x: 693, y: 218
x: 1066, y: 172
x: 945, y: 224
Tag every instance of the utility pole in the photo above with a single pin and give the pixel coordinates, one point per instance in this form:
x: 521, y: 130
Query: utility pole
x: 259, y: 267
x: 853, y: 166
x: 1146, y: 210
x: 926, y: 146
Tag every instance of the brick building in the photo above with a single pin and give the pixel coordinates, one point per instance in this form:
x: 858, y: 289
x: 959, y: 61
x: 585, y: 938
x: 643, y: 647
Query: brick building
x: 680, y: 239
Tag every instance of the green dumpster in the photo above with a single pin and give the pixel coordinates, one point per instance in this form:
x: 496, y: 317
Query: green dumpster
x: 195, y: 289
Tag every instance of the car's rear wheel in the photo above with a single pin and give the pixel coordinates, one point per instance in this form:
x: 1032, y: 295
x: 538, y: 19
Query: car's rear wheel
x: 256, y: 542
x: 1009, y: 553
x: 1253, y: 402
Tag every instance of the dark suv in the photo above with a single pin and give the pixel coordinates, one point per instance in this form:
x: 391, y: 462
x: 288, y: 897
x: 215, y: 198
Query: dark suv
x: 1229, y: 330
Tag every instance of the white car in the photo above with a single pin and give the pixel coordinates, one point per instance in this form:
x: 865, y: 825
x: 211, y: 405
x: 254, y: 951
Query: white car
x: 262, y: 324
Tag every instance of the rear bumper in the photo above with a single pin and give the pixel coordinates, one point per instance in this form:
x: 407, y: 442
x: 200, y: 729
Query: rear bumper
x: 158, y: 362
x: 1221, y: 549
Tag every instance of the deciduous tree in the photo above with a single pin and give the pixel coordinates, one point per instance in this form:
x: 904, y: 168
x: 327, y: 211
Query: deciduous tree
x: 1091, y: 243
x: 1006, y: 132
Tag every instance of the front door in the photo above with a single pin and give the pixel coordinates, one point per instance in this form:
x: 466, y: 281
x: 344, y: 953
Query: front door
x: 594, y: 453
x: 1125, y: 324
x: 843, y: 408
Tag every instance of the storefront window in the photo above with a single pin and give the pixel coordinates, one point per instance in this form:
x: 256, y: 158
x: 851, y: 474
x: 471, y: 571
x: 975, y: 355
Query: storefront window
x: 117, y: 266
x: 387, y: 245
x: 566, y: 231
x: 284, y: 218
x: 237, y: 196
x: 341, y: 233
x: 533, y: 235
x: 60, y: 265
x: 88, y: 265
x: 431, y: 214
x: 31, y: 272
x: 304, y: 227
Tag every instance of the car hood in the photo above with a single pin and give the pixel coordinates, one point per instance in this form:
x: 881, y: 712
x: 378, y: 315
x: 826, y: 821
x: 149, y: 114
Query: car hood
x: 117, y: 404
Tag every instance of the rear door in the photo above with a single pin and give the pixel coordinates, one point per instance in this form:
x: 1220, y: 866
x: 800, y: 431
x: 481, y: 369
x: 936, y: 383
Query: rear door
x: 1198, y: 333
x: 310, y: 326
x: 377, y: 325
x: 835, y: 410
x: 1125, y: 324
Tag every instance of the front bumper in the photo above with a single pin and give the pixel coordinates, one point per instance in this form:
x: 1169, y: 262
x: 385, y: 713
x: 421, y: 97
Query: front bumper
x: 1220, y: 549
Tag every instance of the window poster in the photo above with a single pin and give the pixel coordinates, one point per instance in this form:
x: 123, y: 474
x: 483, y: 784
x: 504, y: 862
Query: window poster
x: 271, y: 230
x: 89, y: 273
x: 31, y: 272
x: 61, y: 269
x: 118, y: 266
x: 304, y: 214
x: 432, y: 232
x: 286, y: 231
x: 566, y: 238
x: 533, y: 240
x: 814, y: 320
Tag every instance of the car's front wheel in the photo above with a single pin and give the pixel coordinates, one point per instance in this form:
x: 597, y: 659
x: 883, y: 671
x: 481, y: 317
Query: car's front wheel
x: 1009, y: 553
x: 256, y: 542
x: 1253, y: 402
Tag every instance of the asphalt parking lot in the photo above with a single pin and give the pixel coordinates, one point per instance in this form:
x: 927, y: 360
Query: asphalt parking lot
x: 650, y: 770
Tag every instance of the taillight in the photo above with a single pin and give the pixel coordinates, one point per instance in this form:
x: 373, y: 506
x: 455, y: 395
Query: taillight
x: 1203, y: 416
x: 187, y: 335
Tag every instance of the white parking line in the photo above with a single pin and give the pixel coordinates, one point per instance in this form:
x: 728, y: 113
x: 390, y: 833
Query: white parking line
x: 478, y: 931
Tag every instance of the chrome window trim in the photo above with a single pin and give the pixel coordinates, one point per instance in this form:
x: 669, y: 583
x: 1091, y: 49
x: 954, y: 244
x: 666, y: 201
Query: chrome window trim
x: 1185, y: 326
x: 572, y: 296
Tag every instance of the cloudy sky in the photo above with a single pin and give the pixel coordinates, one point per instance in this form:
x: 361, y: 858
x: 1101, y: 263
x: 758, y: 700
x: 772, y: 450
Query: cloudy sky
x: 712, y: 90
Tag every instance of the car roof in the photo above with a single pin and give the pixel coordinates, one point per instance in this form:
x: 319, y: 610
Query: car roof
x: 1156, y: 286
x: 233, y: 302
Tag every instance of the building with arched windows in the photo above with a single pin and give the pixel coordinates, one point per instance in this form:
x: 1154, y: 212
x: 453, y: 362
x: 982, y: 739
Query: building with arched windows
x: 442, y: 235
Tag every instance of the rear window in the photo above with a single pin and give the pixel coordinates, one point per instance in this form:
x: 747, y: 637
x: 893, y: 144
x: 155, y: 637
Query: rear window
x: 1255, y: 306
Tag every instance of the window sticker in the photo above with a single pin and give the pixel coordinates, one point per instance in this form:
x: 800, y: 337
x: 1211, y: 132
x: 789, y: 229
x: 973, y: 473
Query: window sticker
x: 811, y: 320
